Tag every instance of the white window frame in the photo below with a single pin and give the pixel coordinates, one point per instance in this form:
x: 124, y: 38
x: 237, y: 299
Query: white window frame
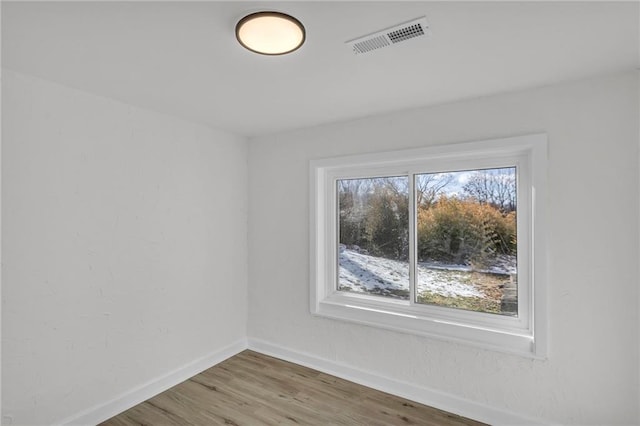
x: 525, y: 334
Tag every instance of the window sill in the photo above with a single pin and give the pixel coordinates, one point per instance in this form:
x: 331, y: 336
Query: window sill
x: 398, y: 317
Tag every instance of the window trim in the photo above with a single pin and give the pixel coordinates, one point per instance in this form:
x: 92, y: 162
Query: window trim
x: 524, y: 335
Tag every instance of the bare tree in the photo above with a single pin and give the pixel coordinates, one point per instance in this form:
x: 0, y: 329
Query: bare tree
x: 496, y: 187
x: 374, y: 215
x: 429, y: 186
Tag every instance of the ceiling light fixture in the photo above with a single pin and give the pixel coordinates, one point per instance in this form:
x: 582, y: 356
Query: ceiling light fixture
x: 270, y: 33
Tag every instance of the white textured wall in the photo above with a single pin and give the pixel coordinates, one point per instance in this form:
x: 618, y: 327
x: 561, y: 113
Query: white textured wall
x: 124, y: 247
x: 591, y: 376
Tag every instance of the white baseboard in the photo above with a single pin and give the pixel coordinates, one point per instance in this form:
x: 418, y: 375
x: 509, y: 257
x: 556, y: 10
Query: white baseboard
x: 431, y: 397
x: 102, y: 412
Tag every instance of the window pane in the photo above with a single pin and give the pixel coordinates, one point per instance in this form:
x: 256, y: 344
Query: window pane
x: 466, y: 234
x: 373, y: 226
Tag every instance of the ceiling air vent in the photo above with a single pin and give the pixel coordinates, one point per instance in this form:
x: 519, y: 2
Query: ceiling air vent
x: 390, y: 36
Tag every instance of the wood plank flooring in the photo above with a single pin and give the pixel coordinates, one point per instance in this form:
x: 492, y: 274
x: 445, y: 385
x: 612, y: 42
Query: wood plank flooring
x: 255, y: 389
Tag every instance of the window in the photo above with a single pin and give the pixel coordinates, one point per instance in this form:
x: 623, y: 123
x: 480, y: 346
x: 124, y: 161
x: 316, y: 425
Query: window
x: 445, y: 241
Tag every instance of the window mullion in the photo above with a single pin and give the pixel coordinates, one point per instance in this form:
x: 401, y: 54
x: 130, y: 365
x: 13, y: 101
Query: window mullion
x: 412, y: 238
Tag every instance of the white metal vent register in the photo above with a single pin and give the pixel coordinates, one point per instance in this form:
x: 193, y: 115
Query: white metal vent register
x: 390, y: 36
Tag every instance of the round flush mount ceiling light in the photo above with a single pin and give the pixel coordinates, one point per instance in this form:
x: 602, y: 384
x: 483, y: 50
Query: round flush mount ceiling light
x: 270, y: 33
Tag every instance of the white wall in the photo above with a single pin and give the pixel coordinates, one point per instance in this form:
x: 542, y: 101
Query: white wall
x: 591, y: 375
x: 124, y: 250
x: 124, y: 247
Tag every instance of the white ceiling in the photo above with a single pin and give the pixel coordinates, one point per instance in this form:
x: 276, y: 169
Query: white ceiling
x: 181, y: 58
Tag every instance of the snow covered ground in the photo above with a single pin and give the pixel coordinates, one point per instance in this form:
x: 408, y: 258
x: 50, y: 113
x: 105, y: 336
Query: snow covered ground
x: 368, y: 274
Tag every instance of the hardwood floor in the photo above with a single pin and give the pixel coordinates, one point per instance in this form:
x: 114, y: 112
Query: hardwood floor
x: 255, y: 389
